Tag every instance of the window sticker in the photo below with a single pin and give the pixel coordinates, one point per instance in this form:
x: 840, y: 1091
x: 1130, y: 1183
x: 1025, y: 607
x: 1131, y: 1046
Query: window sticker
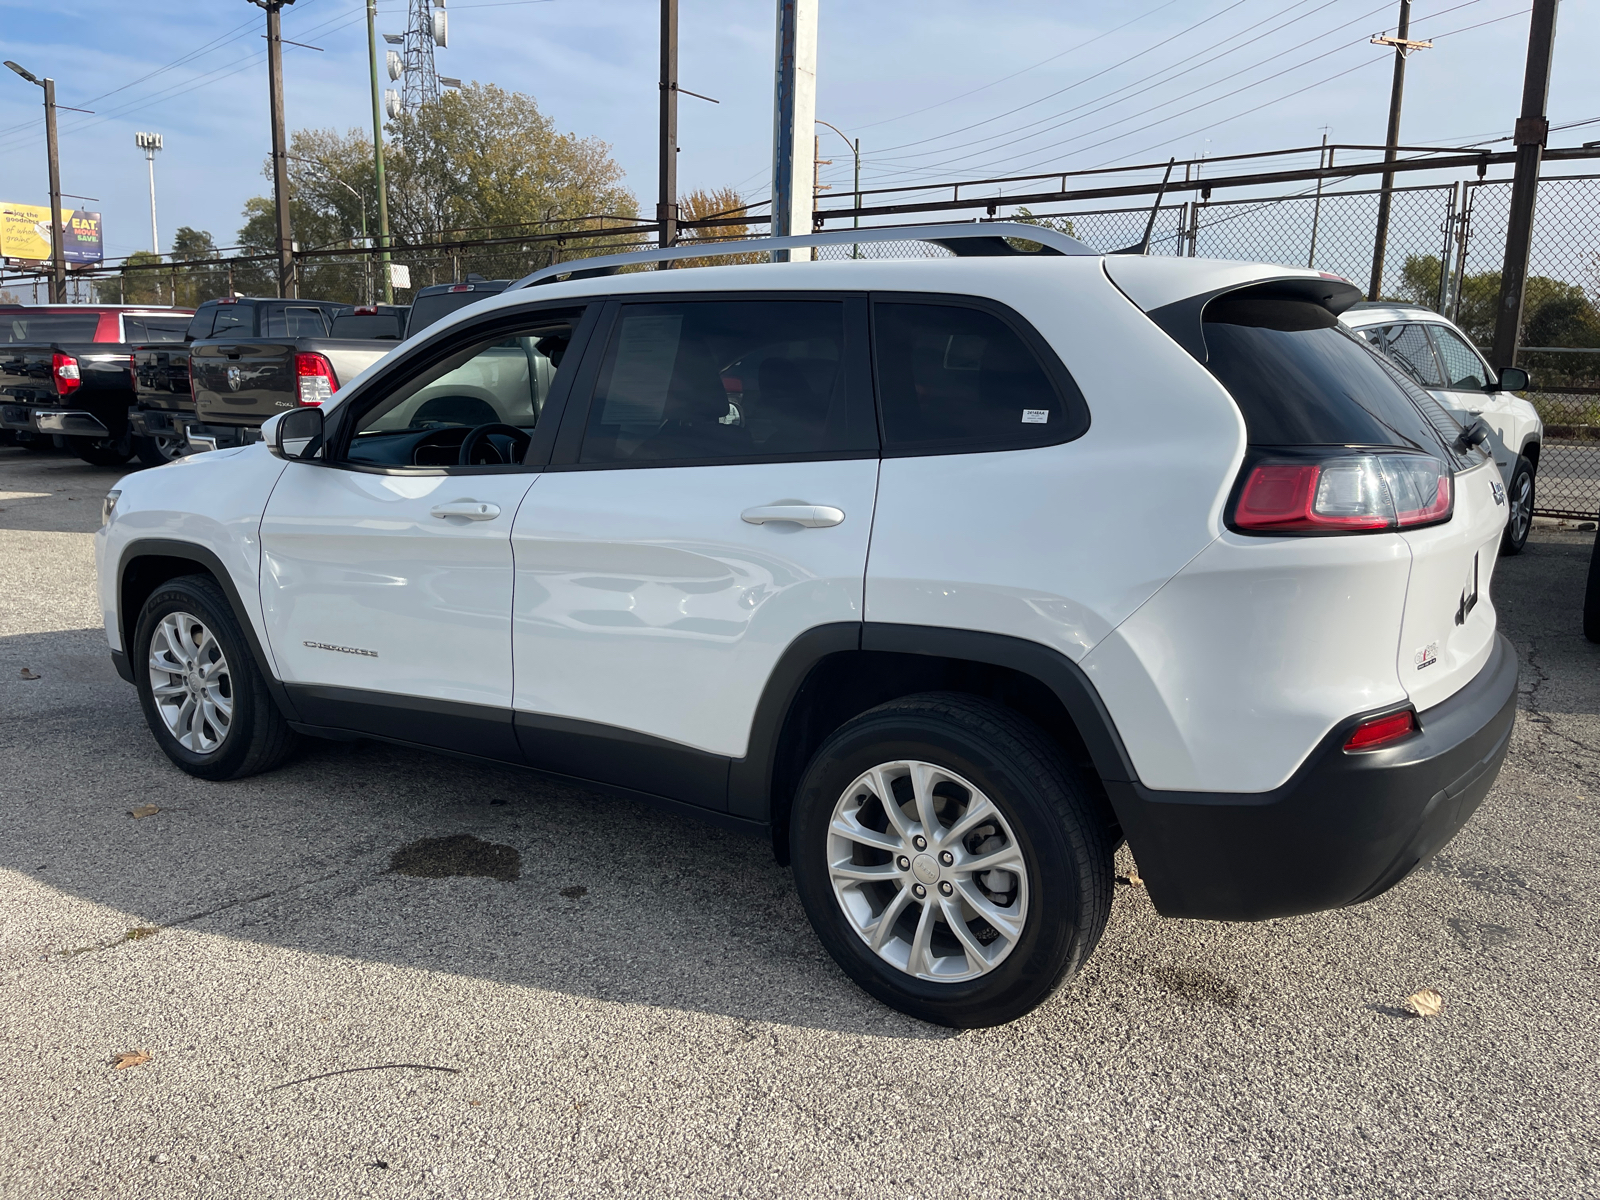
x: 1035, y: 416
x: 646, y: 353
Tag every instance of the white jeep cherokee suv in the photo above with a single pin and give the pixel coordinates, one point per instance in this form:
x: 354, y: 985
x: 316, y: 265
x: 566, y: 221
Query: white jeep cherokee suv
x: 1443, y: 360
x: 949, y: 575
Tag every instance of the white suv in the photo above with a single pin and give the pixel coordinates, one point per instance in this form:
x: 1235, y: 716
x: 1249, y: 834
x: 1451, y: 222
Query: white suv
x: 1443, y: 360
x: 948, y: 575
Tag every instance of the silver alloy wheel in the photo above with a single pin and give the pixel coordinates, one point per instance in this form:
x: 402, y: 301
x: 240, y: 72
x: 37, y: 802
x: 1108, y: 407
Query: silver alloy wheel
x: 170, y: 446
x: 927, y: 871
x: 1521, y: 506
x: 191, y: 683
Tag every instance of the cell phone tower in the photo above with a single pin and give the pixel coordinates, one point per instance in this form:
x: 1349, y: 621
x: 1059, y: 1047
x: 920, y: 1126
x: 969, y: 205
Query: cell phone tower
x: 427, y: 26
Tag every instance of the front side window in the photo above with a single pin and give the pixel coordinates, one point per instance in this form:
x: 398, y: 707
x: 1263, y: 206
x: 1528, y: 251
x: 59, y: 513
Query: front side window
x: 1408, y: 345
x: 706, y: 380
x: 1464, y: 370
x: 482, y: 405
x: 954, y: 379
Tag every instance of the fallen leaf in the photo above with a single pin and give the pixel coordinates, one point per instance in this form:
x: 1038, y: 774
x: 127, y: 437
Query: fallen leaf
x: 130, y: 1058
x: 144, y: 810
x: 1132, y: 878
x: 1426, y: 1003
x: 140, y: 933
x: 29, y: 674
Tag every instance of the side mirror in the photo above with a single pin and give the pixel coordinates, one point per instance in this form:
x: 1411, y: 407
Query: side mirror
x: 1513, y: 379
x: 296, y: 435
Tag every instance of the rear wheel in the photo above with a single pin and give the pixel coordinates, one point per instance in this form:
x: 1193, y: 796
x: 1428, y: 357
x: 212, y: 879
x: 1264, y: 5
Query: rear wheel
x: 159, y: 449
x: 103, y: 452
x: 950, y: 859
x: 204, y: 697
x: 1519, y: 499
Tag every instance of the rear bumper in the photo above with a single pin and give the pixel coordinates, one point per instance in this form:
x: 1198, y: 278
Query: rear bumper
x: 65, y: 421
x: 1344, y: 829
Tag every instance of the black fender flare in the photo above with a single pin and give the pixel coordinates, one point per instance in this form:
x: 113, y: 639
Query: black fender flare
x: 203, y: 557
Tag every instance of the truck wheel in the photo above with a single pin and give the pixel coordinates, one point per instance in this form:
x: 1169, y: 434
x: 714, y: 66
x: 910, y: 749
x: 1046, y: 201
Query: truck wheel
x: 203, y: 695
x: 1519, y: 499
x: 950, y: 859
x: 103, y: 452
x: 159, y: 449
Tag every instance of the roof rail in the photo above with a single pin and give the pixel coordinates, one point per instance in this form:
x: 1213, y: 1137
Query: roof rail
x: 967, y: 240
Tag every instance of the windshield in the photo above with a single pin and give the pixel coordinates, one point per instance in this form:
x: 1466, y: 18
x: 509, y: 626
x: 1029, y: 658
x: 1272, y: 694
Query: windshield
x: 32, y: 328
x: 428, y: 309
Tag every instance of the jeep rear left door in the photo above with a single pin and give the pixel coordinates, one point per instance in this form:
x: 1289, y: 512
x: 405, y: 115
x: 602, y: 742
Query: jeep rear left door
x: 709, y: 503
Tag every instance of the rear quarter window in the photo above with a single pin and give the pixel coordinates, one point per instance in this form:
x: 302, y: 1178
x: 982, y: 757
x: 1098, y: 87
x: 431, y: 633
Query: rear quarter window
x: 154, y: 327
x: 955, y: 378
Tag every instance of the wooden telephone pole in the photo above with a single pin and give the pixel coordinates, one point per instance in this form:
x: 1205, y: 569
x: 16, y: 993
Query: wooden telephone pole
x: 280, y: 157
x: 1403, y: 45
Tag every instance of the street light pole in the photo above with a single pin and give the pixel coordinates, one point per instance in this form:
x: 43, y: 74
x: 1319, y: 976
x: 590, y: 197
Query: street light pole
x: 58, y: 252
x: 377, y: 156
x: 855, y: 148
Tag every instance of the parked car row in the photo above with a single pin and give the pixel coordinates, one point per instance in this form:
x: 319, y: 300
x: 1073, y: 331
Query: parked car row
x: 109, y: 382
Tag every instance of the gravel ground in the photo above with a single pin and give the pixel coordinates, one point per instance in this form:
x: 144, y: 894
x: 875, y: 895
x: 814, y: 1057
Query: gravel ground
x: 645, y: 1011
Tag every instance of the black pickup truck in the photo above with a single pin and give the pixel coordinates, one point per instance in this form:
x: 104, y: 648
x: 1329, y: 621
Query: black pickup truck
x: 64, y: 376
x: 249, y: 358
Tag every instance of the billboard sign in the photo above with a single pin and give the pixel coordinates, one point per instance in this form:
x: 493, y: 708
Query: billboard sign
x: 82, y: 242
x: 25, y: 231
x: 25, y: 234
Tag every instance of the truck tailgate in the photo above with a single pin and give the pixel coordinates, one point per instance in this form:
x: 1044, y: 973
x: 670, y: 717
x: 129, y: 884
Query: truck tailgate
x: 243, y: 382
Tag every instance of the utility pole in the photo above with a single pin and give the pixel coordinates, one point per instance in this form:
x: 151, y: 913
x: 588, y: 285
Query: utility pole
x: 58, y: 251
x: 667, y: 173
x: 794, y: 115
x: 150, y: 143
x: 1403, y: 45
x: 377, y: 156
x: 1532, y: 128
x: 280, y: 160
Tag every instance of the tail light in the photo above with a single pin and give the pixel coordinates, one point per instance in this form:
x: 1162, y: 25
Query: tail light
x: 1342, y: 493
x: 317, y: 382
x: 65, y: 368
x: 1376, y: 732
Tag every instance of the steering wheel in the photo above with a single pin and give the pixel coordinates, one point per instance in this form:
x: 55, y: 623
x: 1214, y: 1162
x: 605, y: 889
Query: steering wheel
x: 520, y: 441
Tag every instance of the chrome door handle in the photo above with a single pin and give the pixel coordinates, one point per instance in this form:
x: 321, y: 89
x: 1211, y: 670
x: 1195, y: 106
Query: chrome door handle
x: 472, y: 510
x: 810, y: 516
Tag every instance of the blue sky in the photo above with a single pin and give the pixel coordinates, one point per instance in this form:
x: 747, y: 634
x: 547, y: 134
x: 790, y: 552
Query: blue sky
x: 935, y: 89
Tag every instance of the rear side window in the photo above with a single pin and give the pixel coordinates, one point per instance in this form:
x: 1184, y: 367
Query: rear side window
x: 1464, y: 370
x: 954, y: 379
x: 294, y: 321
x: 17, y: 330
x: 1301, y: 380
x: 707, y: 380
x: 151, y: 328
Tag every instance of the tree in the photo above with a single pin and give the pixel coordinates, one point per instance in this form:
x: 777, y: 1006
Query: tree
x: 701, y: 204
x: 146, y: 286
x: 197, y: 283
x: 480, y: 162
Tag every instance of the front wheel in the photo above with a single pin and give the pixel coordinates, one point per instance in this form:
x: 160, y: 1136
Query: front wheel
x: 1519, y: 499
x: 950, y: 859
x: 204, y: 697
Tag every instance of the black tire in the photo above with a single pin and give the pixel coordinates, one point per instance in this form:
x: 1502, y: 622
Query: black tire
x: 1519, y: 500
x: 102, y: 452
x: 257, y: 738
x: 35, y: 443
x: 1058, y: 828
x: 158, y: 451
x: 1591, y: 594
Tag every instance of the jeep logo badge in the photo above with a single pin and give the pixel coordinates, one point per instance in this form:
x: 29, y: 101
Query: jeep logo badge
x: 234, y: 376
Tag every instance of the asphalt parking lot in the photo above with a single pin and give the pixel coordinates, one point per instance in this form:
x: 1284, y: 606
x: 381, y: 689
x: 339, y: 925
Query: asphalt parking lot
x: 643, y: 1010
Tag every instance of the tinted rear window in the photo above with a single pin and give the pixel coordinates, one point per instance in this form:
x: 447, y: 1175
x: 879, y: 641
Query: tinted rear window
x: 1301, y: 380
x: 235, y: 318
x: 30, y: 328
x: 155, y: 327
x: 428, y: 309
x: 953, y: 379
x: 294, y: 321
x: 365, y: 325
